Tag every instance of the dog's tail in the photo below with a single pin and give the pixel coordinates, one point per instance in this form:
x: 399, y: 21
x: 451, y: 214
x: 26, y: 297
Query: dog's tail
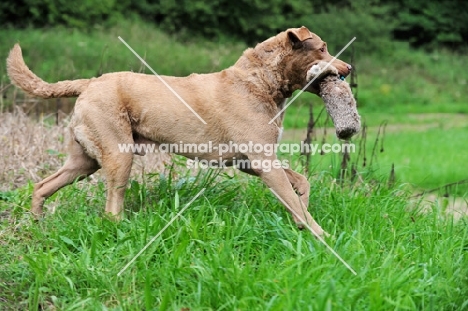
x: 25, y: 79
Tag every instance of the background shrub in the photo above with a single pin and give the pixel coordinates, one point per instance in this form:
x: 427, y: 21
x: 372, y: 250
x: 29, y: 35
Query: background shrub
x: 422, y: 23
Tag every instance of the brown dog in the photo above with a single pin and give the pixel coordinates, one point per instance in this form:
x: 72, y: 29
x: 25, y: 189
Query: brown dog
x: 236, y: 103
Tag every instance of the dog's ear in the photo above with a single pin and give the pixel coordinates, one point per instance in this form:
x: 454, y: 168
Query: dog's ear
x: 298, y: 35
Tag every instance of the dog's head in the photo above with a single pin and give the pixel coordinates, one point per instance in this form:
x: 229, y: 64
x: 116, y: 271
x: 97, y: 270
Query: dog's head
x: 307, y: 49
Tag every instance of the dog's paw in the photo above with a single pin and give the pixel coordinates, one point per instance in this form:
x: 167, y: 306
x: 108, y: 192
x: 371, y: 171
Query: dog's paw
x: 36, y: 214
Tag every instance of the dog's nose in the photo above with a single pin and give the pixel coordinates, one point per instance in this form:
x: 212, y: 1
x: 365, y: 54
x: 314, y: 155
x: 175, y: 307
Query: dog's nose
x: 346, y: 70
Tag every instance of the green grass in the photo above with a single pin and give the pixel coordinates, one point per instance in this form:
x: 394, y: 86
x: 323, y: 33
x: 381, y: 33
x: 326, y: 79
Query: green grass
x: 297, y: 115
x: 427, y: 159
x: 234, y: 248
x: 426, y: 154
x: 427, y: 149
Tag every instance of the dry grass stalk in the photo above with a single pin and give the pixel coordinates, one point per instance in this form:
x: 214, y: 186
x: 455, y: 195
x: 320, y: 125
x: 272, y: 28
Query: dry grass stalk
x: 34, y: 150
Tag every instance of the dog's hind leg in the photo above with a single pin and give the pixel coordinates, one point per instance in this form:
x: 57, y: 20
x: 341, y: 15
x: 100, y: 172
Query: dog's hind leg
x: 77, y: 166
x: 117, y: 170
x: 116, y: 166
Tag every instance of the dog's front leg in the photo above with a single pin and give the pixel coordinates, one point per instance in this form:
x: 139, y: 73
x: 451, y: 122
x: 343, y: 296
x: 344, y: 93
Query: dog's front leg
x: 300, y: 185
x: 281, y: 183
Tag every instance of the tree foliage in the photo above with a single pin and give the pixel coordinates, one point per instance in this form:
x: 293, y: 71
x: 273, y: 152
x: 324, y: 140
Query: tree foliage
x: 427, y: 23
x: 420, y: 22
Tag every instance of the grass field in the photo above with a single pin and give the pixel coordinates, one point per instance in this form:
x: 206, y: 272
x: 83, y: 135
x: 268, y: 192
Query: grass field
x: 235, y: 247
x: 427, y: 149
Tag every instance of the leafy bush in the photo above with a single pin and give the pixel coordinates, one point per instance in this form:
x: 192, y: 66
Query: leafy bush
x: 78, y: 14
x: 429, y: 24
x: 374, y: 22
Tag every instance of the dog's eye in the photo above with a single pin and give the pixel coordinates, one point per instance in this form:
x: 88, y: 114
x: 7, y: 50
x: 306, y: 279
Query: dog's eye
x: 322, y: 49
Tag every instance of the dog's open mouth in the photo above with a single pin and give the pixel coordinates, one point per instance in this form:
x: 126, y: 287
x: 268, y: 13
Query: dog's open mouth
x: 337, y: 96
